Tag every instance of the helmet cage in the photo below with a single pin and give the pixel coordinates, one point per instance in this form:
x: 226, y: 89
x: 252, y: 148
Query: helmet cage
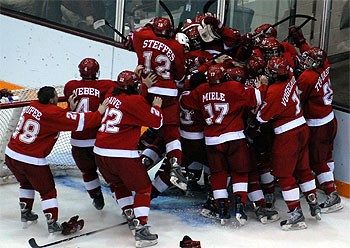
x: 272, y: 53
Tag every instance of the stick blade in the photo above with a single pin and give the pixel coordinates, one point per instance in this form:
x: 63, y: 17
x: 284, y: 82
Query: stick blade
x: 99, y: 23
x: 33, y: 243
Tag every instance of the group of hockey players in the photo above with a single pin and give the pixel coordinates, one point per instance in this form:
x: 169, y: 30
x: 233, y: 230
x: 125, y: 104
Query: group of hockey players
x: 242, y: 111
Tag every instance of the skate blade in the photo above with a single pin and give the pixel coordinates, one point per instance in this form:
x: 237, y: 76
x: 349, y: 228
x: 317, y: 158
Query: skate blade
x: 318, y: 216
x: 334, y: 208
x: 223, y: 222
x: 241, y: 221
x: 180, y: 185
x: 27, y: 224
x: 272, y: 219
x: 146, y: 243
x: 209, y: 214
x: 298, y: 226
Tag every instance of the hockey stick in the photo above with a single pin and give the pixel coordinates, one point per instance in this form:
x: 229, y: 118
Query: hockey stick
x: 33, y: 243
x: 293, y: 16
x: 168, y: 12
x: 301, y: 25
x: 102, y: 22
x: 286, y: 19
x: 207, y: 6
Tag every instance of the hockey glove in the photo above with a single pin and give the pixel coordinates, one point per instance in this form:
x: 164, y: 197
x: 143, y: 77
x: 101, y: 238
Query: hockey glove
x: 72, y: 226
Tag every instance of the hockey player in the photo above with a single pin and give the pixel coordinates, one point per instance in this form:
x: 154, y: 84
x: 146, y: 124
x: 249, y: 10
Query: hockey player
x: 117, y: 154
x: 221, y: 105
x: 263, y: 211
x: 35, y: 135
x: 290, y: 163
x: 316, y: 96
x: 162, y: 55
x: 90, y: 92
x: 261, y: 135
x: 192, y: 137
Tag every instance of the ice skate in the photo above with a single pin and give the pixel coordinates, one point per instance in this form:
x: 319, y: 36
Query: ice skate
x: 224, y: 214
x: 142, y: 235
x: 209, y: 209
x: 98, y: 200
x: 27, y: 214
x: 270, y: 200
x: 240, y: 214
x: 129, y: 215
x: 296, y: 221
x: 266, y: 215
x: 331, y: 204
x: 176, y: 176
x: 315, y: 209
x: 53, y: 225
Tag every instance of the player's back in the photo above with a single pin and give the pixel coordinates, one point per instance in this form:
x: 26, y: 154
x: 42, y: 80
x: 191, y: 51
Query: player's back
x: 89, y: 95
x: 316, y: 93
x: 121, y: 127
x: 222, y: 104
x: 282, y: 103
x: 164, y: 57
x: 37, y: 130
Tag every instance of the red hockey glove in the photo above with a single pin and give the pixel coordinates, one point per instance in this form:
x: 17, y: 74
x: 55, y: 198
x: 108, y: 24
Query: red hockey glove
x: 187, y: 242
x: 72, y: 226
x: 297, y: 36
x: 213, y: 21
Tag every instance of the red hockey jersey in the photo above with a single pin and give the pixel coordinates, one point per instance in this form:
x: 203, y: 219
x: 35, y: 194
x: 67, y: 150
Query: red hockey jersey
x: 90, y: 93
x: 38, y: 129
x: 164, y: 57
x: 316, y: 96
x: 221, y: 106
x: 282, y: 106
x: 121, y: 125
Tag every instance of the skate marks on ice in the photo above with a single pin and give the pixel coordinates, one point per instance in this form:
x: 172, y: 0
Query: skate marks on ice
x: 171, y: 217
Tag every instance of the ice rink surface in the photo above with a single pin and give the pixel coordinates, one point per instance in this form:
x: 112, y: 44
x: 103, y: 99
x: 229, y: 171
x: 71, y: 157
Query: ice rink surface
x: 171, y: 218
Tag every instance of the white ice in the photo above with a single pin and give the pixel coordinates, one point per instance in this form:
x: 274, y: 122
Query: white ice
x: 171, y: 218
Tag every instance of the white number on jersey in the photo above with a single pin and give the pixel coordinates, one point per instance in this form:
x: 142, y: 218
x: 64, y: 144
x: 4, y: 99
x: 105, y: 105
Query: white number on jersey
x: 111, y: 125
x: 30, y: 129
x: 222, y: 108
x: 327, y: 93
x: 83, y: 105
x: 296, y: 99
x: 163, y: 62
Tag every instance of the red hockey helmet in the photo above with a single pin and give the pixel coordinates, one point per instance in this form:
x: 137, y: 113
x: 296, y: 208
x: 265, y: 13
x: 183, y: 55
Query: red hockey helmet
x: 128, y: 80
x: 270, y: 48
x: 255, y: 66
x: 162, y: 27
x: 277, y: 67
x: 89, y: 68
x: 236, y: 74
x: 313, y: 58
x: 194, y: 37
x: 216, y: 74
